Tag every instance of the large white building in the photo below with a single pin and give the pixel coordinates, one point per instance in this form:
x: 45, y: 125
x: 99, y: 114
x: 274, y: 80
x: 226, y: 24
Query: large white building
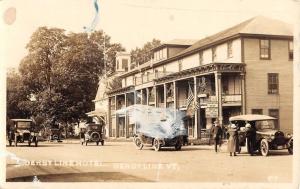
x: 244, y: 69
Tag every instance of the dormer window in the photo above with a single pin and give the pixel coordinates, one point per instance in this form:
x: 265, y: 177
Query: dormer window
x: 229, y: 49
x: 125, y: 64
x: 180, y: 64
x: 214, y: 54
x: 200, y: 58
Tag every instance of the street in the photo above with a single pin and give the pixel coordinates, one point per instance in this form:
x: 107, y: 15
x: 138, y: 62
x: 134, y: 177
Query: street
x: 121, y: 161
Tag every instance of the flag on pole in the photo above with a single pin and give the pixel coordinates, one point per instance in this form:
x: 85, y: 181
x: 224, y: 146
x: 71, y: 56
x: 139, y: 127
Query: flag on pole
x: 190, y: 98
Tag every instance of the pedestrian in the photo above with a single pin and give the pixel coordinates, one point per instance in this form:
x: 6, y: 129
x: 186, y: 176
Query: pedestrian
x: 217, y: 135
x: 251, y: 138
x: 233, y: 141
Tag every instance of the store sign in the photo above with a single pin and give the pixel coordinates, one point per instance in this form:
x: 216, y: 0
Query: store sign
x: 211, y: 110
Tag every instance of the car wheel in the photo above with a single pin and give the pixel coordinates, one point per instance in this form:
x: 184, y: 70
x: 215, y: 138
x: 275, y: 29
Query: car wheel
x: 156, y: 145
x: 177, y: 146
x: 290, y: 146
x: 264, y: 147
x: 138, y: 143
x: 102, y: 142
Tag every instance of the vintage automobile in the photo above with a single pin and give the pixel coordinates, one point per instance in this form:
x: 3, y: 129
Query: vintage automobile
x: 55, y: 134
x: 141, y: 140
x: 92, y: 133
x: 267, y: 137
x: 157, y: 127
x: 22, y: 130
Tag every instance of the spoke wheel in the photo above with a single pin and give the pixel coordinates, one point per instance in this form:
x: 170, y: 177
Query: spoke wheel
x: 264, y: 147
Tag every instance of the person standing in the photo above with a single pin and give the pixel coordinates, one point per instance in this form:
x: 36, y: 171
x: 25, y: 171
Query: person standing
x: 233, y: 141
x: 217, y: 135
x: 250, y: 136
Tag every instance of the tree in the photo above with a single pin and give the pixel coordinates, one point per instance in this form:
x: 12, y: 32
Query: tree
x: 142, y: 55
x: 62, y: 72
x: 17, y: 96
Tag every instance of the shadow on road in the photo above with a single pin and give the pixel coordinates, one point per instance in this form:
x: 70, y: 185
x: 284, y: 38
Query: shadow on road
x: 82, y: 177
x: 40, y: 145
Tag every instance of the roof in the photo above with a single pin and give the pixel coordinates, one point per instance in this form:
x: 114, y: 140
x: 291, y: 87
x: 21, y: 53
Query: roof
x: 26, y: 120
x: 177, y: 42
x: 251, y: 117
x: 257, y: 25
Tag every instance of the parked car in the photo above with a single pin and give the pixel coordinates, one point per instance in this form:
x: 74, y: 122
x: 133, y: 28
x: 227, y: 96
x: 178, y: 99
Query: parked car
x: 141, y: 140
x: 267, y: 137
x: 92, y: 133
x: 55, y: 134
x: 22, y: 130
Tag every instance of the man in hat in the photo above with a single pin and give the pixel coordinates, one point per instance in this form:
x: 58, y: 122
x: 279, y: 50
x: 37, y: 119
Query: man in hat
x: 250, y: 136
x: 217, y: 134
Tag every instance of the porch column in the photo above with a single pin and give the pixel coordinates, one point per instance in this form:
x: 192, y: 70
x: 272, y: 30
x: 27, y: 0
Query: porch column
x: 109, y: 118
x: 243, y: 93
x: 142, y: 96
x: 175, y: 95
x: 117, y: 117
x: 165, y: 95
x: 218, y: 84
x: 126, y: 119
x: 155, y: 96
x: 196, y: 130
x: 147, y: 96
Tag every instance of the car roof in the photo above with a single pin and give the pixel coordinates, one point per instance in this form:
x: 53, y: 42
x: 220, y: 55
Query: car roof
x: 251, y: 117
x: 24, y: 120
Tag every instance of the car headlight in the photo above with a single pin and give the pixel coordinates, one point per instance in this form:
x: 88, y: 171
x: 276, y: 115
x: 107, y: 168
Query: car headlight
x: 32, y: 133
x: 272, y: 137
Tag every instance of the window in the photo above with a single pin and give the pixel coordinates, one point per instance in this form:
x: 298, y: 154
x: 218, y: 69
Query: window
x: 291, y: 49
x: 214, y: 54
x: 125, y: 64
x: 180, y: 65
x: 229, y: 50
x: 275, y: 113
x: 265, y: 51
x: 201, y: 58
x: 257, y: 111
x: 273, y: 83
x: 164, y: 69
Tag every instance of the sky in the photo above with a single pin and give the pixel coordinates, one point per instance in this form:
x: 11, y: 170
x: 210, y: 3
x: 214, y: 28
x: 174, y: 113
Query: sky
x: 130, y: 22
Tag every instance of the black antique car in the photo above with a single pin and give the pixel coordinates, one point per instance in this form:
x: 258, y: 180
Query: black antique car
x: 267, y: 137
x: 141, y: 140
x: 92, y: 133
x: 55, y: 134
x: 22, y: 130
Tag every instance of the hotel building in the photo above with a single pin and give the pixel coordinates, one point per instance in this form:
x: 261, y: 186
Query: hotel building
x: 245, y: 69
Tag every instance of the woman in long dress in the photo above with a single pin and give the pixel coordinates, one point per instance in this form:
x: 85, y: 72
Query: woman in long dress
x: 233, y: 141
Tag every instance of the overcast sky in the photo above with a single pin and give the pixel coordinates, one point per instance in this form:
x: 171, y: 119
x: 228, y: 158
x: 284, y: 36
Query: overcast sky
x: 131, y: 22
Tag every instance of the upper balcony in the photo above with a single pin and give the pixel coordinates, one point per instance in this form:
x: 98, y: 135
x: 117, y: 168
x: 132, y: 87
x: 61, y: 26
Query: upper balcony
x: 149, y: 77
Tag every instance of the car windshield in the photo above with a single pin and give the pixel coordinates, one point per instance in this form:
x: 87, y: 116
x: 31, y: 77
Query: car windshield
x: 23, y: 125
x: 94, y: 127
x: 264, y: 124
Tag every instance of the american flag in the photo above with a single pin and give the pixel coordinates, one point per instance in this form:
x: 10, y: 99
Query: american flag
x: 190, y: 98
x: 190, y: 101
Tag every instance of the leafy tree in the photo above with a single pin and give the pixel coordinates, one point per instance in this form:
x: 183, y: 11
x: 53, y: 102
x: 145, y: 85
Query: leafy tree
x: 62, y: 72
x: 17, y: 97
x: 142, y: 55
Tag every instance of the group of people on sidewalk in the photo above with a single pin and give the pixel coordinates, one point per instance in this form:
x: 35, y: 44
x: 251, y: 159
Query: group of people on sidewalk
x: 233, y: 141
